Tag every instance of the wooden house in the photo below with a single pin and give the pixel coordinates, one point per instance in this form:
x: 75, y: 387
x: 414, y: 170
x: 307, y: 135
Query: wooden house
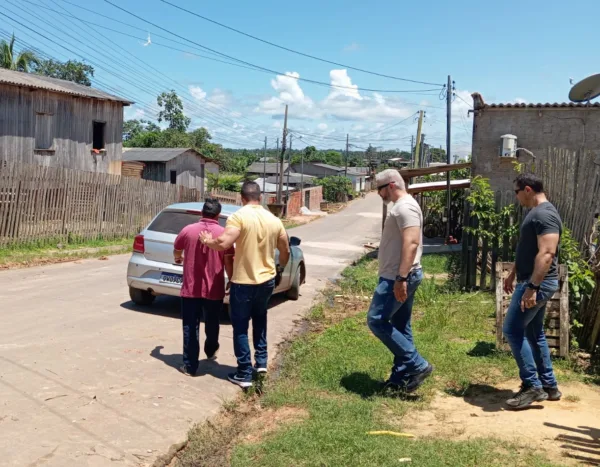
x: 57, y: 123
x: 173, y: 165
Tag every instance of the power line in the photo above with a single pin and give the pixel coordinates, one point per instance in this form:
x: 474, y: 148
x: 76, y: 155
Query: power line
x: 458, y: 95
x: 391, y: 126
x: 319, y: 83
x: 295, y: 51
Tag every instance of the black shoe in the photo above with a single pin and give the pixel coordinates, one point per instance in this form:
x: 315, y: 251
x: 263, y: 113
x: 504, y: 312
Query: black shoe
x: 526, y: 396
x: 553, y: 393
x: 214, y: 355
x: 241, y: 380
x: 415, y: 381
x: 186, y: 371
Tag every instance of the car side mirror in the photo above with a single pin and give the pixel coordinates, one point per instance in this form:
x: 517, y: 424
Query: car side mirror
x: 294, y: 241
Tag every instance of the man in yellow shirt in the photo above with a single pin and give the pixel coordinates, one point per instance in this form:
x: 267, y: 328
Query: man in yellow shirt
x: 256, y: 234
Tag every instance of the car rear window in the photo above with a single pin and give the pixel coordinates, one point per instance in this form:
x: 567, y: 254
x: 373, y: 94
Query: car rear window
x: 172, y: 222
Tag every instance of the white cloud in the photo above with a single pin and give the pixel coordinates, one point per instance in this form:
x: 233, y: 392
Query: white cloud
x: 290, y: 93
x: 340, y: 78
x: 354, y: 47
x: 520, y: 100
x: 322, y: 126
x: 197, y: 92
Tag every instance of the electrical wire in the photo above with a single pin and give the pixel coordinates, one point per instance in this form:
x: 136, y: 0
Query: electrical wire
x: 258, y: 67
x: 294, y: 51
x: 458, y: 95
x: 391, y: 126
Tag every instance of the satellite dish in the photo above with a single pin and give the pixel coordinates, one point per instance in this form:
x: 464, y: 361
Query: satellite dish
x: 586, y: 90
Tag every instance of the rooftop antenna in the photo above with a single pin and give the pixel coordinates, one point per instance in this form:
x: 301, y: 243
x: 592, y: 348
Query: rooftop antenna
x: 586, y: 90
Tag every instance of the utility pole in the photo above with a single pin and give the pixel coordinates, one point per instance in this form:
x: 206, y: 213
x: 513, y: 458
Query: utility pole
x: 422, y: 154
x: 418, y: 144
x: 449, y: 93
x: 287, y: 190
x: 283, y: 141
x: 265, y: 168
x: 412, y: 151
x: 302, y: 176
x: 347, y: 155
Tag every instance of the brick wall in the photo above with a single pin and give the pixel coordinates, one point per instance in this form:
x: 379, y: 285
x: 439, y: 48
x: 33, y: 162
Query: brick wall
x: 314, y: 201
x: 536, y: 129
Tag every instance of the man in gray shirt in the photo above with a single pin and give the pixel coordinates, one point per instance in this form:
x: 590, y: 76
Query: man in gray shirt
x: 536, y: 272
x: 400, y: 274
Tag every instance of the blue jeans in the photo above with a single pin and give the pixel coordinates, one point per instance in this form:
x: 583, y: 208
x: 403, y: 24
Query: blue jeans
x: 389, y: 320
x: 192, y: 310
x: 524, y: 332
x: 249, y: 302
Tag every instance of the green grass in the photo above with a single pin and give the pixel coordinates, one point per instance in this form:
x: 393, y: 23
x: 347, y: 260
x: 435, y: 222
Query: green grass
x: 333, y: 372
x: 25, y: 255
x: 435, y: 264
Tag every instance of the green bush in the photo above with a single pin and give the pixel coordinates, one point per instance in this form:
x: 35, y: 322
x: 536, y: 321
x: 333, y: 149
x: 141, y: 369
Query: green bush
x: 336, y: 189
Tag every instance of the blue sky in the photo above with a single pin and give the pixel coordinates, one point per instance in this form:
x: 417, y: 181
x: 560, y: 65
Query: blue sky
x: 513, y: 51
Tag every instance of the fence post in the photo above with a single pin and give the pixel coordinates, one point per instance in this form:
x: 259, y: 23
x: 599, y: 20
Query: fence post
x: 464, y: 266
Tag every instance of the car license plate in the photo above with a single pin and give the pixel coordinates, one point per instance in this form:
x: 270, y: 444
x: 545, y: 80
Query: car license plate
x: 170, y: 278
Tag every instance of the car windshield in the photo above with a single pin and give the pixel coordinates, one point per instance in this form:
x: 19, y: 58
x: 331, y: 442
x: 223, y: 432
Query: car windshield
x: 172, y: 222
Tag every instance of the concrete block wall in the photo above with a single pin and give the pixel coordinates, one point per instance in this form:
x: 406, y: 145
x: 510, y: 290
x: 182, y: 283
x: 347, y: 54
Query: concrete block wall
x: 295, y: 201
x: 536, y: 129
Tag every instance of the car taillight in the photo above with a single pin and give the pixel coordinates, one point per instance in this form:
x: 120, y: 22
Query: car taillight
x: 138, y: 244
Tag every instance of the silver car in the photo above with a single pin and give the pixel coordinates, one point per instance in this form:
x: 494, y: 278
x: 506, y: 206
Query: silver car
x: 152, y: 271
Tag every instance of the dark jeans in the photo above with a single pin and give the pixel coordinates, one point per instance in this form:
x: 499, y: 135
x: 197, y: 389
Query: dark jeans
x: 524, y: 331
x: 192, y: 310
x: 249, y: 302
x: 389, y: 320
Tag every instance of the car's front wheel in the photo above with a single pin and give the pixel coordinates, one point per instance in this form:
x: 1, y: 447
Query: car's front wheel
x: 141, y: 297
x: 294, y: 292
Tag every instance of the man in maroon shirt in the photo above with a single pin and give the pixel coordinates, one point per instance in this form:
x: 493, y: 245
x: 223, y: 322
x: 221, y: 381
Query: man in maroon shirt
x: 203, y: 288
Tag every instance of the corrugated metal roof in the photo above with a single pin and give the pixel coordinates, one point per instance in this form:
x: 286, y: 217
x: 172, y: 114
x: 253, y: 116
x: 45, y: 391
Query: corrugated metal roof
x: 327, y: 166
x: 294, y: 178
x: 271, y: 168
x: 30, y: 80
x: 541, y: 105
x: 154, y: 154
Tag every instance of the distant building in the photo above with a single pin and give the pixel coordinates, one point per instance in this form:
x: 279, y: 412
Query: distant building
x: 57, y: 123
x: 270, y: 168
x: 294, y: 180
x: 169, y: 164
x: 357, y: 175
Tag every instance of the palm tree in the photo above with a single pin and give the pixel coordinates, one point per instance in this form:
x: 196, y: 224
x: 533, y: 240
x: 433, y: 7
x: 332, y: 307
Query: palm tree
x: 20, y: 62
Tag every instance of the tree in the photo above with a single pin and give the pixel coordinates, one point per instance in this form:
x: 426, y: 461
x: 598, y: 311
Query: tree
x: 335, y: 189
x: 224, y: 181
x: 172, y: 111
x: 19, y: 62
x: 438, y: 155
x: 72, y: 70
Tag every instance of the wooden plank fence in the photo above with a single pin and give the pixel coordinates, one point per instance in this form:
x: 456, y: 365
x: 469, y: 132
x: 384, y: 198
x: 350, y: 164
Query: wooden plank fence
x: 53, y: 205
x: 557, y: 311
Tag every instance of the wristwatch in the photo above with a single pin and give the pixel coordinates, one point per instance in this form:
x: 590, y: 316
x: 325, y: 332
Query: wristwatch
x: 401, y: 279
x: 532, y: 286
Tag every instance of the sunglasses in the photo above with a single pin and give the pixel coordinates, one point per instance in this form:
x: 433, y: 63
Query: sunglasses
x: 379, y: 188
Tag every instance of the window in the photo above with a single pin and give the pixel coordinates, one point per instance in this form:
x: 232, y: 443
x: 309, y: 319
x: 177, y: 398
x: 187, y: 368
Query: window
x: 44, y: 131
x: 172, y: 222
x: 173, y: 177
x: 98, y: 137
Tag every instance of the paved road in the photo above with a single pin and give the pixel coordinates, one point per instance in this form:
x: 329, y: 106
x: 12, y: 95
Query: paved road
x: 88, y: 379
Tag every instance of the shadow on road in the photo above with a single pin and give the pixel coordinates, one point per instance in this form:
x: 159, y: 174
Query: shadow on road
x: 489, y: 398
x: 170, y: 307
x: 587, y: 444
x: 367, y: 387
x: 205, y: 367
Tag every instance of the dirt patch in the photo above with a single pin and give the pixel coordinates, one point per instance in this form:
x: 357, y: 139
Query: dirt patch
x: 568, y: 431
x: 268, y: 421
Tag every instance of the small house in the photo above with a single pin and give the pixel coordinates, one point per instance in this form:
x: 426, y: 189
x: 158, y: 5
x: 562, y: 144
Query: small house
x: 173, y: 165
x: 260, y: 169
x: 58, y: 123
x: 294, y: 180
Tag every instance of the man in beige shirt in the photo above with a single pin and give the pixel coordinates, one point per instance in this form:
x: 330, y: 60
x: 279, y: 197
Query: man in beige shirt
x: 256, y: 234
x: 400, y: 274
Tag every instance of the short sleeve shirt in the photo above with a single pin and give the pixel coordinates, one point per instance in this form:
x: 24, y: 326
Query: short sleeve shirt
x: 203, y: 268
x: 541, y: 220
x: 405, y: 213
x: 255, y: 247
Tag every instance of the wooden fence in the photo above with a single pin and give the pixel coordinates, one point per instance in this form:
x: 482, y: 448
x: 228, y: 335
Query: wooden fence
x: 52, y: 205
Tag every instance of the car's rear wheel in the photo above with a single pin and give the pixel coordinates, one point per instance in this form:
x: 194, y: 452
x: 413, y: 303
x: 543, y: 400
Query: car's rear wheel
x: 141, y: 297
x: 294, y: 292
